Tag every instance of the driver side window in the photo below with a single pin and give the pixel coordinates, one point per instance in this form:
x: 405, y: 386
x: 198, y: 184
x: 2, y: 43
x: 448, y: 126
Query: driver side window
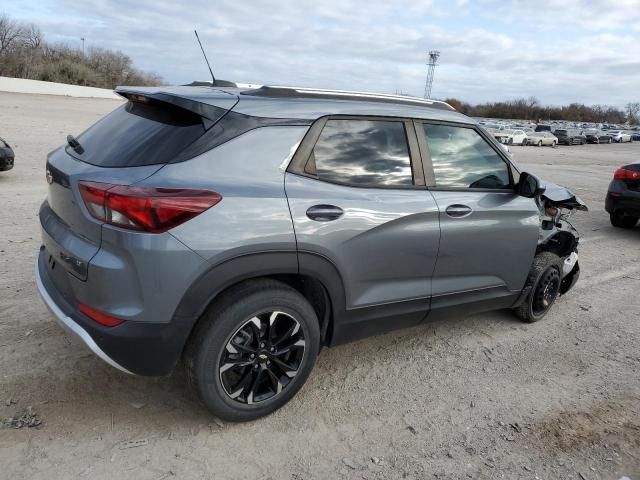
x: 463, y: 159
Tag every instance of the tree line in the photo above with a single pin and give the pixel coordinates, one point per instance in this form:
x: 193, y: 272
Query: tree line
x: 24, y: 53
x: 531, y: 109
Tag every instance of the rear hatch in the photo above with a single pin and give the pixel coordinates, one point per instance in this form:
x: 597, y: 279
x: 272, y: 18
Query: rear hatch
x: 154, y: 127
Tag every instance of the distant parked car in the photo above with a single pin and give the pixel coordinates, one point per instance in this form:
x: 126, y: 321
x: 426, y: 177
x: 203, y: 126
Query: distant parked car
x: 570, y: 137
x: 619, y: 136
x: 635, y: 136
x: 623, y: 196
x: 542, y: 138
x: 6, y: 156
x: 511, y: 137
x: 597, y: 136
x: 543, y: 128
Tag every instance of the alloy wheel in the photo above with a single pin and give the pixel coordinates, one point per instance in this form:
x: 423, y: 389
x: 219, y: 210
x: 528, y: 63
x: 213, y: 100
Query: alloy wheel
x: 262, y: 357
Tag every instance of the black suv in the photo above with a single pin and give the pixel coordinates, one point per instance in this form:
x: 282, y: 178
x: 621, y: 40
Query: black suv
x: 570, y: 137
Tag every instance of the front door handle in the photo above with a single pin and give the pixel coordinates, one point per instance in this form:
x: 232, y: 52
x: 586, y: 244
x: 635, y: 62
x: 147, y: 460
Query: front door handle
x: 458, y: 211
x: 324, y: 213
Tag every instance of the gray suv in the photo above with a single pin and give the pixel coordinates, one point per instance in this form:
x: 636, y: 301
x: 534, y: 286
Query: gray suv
x: 240, y: 230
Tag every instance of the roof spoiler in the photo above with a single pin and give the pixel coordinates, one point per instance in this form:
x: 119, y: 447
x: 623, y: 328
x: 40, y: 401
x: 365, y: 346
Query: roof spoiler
x: 209, y: 113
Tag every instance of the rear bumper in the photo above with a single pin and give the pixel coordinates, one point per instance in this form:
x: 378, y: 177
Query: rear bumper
x: 67, y: 323
x: 140, y: 348
x: 627, y: 202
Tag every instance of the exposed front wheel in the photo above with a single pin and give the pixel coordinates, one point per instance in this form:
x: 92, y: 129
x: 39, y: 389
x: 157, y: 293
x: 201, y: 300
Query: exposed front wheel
x: 620, y: 220
x: 253, y: 350
x: 544, y: 279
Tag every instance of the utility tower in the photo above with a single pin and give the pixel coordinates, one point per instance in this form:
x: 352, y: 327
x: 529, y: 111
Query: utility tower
x: 433, y: 61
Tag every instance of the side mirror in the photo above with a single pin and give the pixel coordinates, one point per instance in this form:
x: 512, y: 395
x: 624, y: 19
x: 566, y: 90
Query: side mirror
x: 529, y: 186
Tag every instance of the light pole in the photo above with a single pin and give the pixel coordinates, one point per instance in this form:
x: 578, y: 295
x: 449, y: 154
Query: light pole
x: 82, y: 38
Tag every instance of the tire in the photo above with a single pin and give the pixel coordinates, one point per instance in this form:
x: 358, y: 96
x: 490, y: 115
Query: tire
x: 524, y: 142
x: 620, y: 220
x: 540, y: 143
x: 241, y: 318
x: 510, y: 141
x: 544, y: 279
x: 553, y: 144
x: 609, y: 140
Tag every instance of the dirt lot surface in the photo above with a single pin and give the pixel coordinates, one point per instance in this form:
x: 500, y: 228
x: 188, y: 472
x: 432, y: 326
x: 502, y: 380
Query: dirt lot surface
x: 479, y: 397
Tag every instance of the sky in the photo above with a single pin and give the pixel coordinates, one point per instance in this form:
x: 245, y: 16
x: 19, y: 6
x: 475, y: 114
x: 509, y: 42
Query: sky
x: 559, y: 51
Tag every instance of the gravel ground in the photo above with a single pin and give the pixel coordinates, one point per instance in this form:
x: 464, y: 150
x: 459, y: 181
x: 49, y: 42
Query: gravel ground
x: 478, y: 397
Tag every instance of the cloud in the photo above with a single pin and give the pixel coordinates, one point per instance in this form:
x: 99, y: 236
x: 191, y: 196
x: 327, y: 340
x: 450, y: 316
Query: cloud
x: 558, y: 51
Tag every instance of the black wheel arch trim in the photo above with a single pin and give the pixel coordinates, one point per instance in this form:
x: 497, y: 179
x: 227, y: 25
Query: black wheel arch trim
x: 220, y: 277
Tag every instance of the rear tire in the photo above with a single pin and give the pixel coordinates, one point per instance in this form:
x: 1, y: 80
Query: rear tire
x: 544, y: 279
x: 234, y: 360
x: 540, y: 143
x: 620, y: 220
x: 524, y: 142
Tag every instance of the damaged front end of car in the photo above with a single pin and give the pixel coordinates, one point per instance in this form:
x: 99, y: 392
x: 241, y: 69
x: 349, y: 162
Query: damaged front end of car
x: 557, y: 234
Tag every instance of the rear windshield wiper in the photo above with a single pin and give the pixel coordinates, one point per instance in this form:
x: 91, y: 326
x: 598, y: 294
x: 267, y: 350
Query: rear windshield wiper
x: 75, y: 144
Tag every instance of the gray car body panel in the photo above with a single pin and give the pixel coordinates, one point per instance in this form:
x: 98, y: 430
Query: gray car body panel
x: 385, y: 244
x: 490, y: 249
x: 248, y: 172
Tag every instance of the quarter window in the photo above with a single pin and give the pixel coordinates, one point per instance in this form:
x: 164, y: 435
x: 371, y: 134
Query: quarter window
x: 365, y: 153
x: 463, y: 159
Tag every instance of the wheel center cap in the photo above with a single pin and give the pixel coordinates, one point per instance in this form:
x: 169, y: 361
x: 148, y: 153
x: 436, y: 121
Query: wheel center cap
x: 263, y: 357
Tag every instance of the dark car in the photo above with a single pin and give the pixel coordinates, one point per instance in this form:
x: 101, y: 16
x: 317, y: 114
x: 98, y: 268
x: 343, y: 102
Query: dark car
x: 623, y: 197
x: 570, y: 137
x: 635, y: 136
x: 543, y: 128
x: 6, y: 156
x: 597, y: 136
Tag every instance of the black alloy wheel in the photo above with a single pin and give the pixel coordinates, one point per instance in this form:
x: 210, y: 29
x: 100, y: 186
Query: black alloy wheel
x: 262, y: 357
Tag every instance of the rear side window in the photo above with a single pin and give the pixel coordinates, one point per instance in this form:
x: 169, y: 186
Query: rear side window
x: 364, y: 153
x: 138, y: 134
x: 463, y: 159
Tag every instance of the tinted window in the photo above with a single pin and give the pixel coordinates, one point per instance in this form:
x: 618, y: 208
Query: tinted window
x: 368, y: 153
x: 463, y: 159
x: 139, y: 134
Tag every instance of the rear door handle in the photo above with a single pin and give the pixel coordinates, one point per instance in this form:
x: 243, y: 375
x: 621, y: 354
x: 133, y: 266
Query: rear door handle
x: 324, y: 213
x: 458, y: 211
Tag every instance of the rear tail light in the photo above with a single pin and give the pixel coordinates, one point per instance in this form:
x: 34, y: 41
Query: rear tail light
x: 626, y: 174
x: 147, y: 209
x: 99, y: 317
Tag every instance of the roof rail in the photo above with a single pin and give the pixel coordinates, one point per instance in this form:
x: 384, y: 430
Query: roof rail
x: 303, y: 92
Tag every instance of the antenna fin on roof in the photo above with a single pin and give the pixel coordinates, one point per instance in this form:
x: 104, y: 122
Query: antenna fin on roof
x: 205, y: 59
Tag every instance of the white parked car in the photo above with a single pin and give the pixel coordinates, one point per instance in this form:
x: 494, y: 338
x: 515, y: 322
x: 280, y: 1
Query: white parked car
x: 542, y: 138
x: 619, y: 136
x: 511, y: 137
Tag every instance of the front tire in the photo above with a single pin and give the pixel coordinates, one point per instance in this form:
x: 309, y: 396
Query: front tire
x: 544, y: 279
x: 252, y: 350
x: 620, y: 220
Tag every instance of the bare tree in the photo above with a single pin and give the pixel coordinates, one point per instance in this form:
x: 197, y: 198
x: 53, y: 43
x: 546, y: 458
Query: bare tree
x: 11, y: 33
x: 32, y: 37
x: 633, y: 113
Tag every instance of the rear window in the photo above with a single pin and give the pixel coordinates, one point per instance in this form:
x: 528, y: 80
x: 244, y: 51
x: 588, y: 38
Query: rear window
x: 138, y: 134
